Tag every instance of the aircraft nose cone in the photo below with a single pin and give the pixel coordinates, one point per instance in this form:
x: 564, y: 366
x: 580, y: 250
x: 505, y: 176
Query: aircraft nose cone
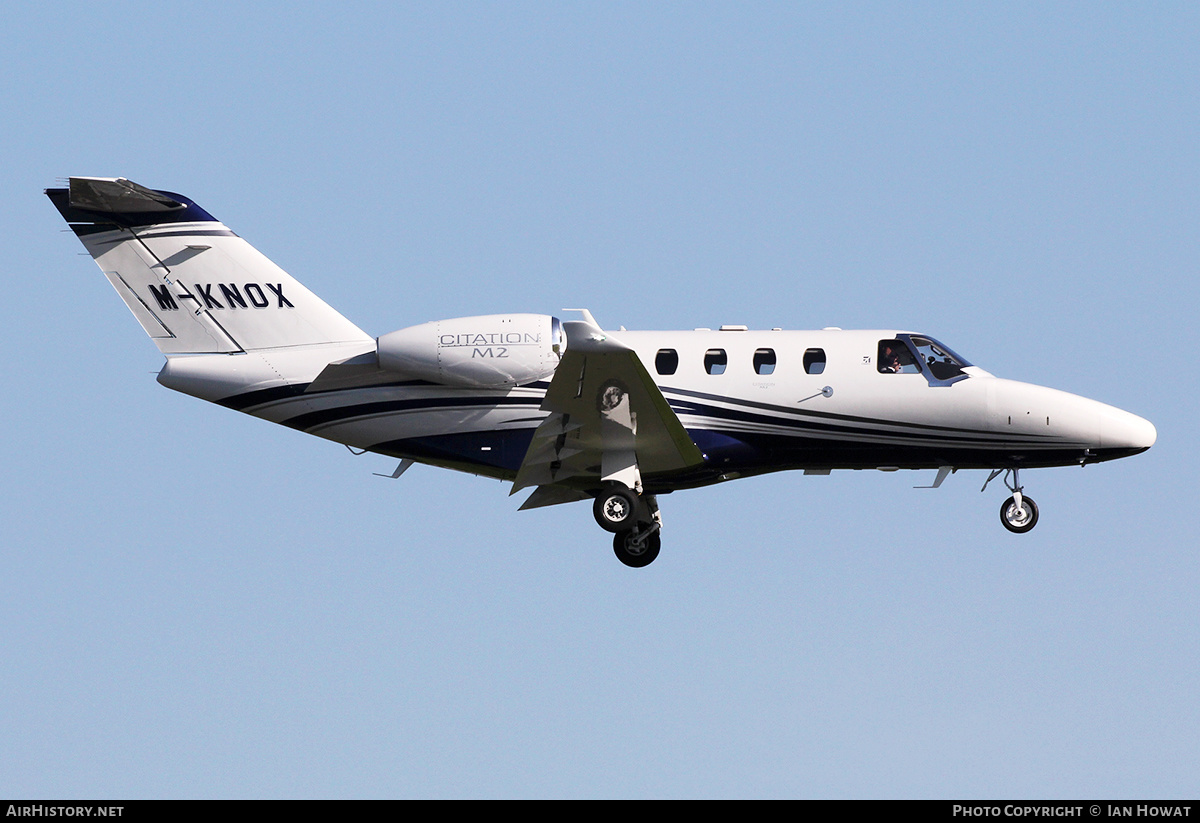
x: 1122, y: 430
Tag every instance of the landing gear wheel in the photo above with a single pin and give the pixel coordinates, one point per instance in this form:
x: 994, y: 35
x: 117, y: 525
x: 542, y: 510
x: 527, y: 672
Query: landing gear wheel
x: 615, y: 509
x: 1019, y: 520
x: 635, y: 554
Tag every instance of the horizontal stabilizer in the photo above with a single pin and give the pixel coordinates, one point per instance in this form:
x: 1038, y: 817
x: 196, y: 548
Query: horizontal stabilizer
x: 116, y: 195
x: 352, y: 373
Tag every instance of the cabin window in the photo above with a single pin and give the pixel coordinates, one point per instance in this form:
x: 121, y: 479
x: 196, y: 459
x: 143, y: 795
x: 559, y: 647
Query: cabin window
x: 896, y: 358
x: 814, y: 361
x: 764, y: 361
x: 715, y: 361
x: 666, y: 361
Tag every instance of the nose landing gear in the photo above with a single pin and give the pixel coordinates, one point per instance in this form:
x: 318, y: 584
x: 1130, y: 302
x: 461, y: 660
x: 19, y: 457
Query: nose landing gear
x: 1019, y: 513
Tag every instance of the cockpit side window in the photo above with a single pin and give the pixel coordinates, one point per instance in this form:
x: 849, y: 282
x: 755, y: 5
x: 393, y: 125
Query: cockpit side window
x: 896, y: 358
x: 942, y: 363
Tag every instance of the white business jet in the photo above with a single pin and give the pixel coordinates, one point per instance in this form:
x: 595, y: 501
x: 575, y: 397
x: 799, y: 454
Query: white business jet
x: 565, y: 408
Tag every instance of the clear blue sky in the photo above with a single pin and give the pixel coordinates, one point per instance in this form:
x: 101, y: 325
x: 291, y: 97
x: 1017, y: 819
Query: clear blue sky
x: 199, y: 604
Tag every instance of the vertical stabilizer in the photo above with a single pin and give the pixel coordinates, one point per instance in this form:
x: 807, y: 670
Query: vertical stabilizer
x: 194, y: 285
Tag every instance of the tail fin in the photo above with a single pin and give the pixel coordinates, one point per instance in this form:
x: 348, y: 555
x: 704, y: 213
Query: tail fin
x: 195, y: 286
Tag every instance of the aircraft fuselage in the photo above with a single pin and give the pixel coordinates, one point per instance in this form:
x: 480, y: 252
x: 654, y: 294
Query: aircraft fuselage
x: 747, y: 415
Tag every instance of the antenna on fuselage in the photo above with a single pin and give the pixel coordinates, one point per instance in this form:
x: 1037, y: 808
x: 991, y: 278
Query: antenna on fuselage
x: 825, y: 392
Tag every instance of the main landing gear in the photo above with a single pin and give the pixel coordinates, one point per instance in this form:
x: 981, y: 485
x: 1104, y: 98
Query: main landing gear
x: 1019, y: 513
x: 637, y: 547
x: 634, y: 521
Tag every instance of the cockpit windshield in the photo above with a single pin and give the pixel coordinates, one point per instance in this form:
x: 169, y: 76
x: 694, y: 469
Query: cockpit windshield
x: 942, y: 363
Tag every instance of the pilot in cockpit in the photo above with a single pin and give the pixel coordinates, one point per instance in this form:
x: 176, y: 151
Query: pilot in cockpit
x: 890, y: 361
x: 895, y: 358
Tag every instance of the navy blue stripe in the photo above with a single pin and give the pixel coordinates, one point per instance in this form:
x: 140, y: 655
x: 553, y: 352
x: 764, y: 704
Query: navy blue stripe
x: 686, y: 407
x: 245, y: 400
x: 497, y: 453
x: 942, y: 434
x: 342, y: 413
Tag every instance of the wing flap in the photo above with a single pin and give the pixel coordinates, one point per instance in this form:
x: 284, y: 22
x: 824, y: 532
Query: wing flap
x: 552, y: 496
x: 607, y: 419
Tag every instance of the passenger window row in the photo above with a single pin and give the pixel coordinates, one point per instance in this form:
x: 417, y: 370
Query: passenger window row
x: 716, y: 361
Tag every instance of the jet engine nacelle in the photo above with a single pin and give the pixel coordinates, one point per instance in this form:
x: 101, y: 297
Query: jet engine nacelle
x: 492, y: 351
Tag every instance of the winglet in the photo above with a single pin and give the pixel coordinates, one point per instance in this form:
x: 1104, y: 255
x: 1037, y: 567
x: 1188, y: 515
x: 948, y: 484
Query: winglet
x: 587, y: 317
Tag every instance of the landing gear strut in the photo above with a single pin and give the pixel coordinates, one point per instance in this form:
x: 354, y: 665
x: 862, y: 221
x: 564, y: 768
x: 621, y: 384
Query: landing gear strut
x: 1019, y: 513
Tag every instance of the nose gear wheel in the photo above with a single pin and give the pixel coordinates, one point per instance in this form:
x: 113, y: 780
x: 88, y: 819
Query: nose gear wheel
x: 1019, y: 513
x: 1019, y: 517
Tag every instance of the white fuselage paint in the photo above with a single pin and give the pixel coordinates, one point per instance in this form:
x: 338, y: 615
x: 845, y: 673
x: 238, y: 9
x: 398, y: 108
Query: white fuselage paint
x: 849, y: 415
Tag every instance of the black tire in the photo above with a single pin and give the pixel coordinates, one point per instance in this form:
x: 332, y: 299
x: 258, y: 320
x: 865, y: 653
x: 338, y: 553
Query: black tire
x: 616, y: 509
x: 632, y: 557
x: 1018, y: 521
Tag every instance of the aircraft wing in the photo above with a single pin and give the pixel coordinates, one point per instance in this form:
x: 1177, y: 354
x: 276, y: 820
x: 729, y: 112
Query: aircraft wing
x: 608, y: 421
